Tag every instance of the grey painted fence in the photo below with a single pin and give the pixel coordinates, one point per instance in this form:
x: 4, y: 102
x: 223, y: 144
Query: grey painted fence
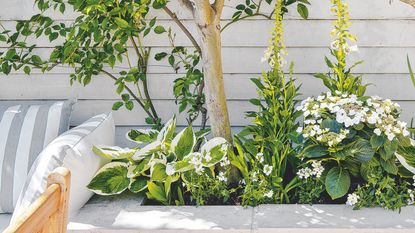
x: 386, y: 35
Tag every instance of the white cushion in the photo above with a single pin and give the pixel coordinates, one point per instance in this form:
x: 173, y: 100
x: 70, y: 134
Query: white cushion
x: 4, y: 221
x: 25, y: 129
x: 72, y: 150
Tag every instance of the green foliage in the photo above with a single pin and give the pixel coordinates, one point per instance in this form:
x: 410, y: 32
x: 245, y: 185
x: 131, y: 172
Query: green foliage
x: 348, y: 140
x: 167, y: 169
x: 340, y: 77
x: 265, y: 149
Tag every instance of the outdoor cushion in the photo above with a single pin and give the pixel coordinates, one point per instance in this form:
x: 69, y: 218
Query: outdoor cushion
x: 72, y: 150
x: 4, y: 221
x: 25, y: 129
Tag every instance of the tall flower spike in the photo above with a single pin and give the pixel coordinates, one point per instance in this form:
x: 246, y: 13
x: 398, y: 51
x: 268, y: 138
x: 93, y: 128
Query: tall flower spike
x: 276, y: 49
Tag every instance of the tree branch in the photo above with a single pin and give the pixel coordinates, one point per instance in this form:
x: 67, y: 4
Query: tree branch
x: 204, y: 13
x: 130, y: 92
x: 173, y: 16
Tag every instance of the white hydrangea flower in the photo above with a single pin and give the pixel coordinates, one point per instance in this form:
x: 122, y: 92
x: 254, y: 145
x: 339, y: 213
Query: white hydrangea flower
x: 352, y: 199
x: 377, y: 131
x: 269, y: 194
x: 267, y: 170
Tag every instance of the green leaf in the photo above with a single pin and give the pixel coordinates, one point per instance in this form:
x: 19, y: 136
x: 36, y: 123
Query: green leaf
x: 160, y: 56
x: 184, y: 142
x: 337, y: 182
x: 333, y: 125
x: 113, y: 152
x: 3, y: 38
x: 142, y: 136
x: 377, y: 141
x: 389, y: 166
x: 10, y: 54
x: 159, y: 29
x: 158, y: 172
x: 411, y: 73
x: 315, y: 151
x: 111, y: 179
x: 138, y: 184
x: 26, y: 70
x: 121, y: 22
x: 156, y: 192
x: 362, y: 150
x: 117, y: 105
x: 302, y: 10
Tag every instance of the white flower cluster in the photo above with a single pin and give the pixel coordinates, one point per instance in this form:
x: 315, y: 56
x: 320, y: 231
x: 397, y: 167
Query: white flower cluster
x: 316, y: 170
x: 196, y: 160
x: 269, y: 194
x: 222, y: 177
x: 352, y: 199
x: 349, y: 110
x: 260, y: 157
x: 267, y: 170
x: 335, y: 45
x: 224, y: 162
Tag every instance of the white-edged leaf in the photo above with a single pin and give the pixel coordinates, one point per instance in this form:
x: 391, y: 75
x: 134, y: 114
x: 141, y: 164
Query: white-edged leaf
x: 213, y: 151
x: 111, y: 179
x: 138, y: 184
x: 184, y: 143
x: 406, y: 156
x: 113, y: 152
x: 142, y: 135
x: 167, y: 132
x: 147, y: 151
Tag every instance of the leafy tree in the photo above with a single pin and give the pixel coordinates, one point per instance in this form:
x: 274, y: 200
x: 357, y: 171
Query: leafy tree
x: 107, y: 38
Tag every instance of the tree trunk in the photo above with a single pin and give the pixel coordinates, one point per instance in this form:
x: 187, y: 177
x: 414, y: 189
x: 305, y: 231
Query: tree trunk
x: 410, y: 2
x: 207, y: 18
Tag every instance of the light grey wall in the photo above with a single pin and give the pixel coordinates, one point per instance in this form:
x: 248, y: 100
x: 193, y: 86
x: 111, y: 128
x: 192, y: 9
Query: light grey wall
x: 386, y: 34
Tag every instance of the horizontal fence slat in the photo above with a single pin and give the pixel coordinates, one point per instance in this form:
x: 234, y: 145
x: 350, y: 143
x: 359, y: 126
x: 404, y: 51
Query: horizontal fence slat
x: 84, y: 109
x: 298, y: 33
x: 237, y: 86
x: 319, y: 9
x: 248, y: 60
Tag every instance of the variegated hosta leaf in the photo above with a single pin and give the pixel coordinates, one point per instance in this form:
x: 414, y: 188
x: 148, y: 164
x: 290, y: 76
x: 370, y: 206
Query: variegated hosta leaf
x: 137, y: 169
x: 138, y: 184
x: 213, y: 151
x: 142, y: 135
x: 158, y: 172
x: 113, y: 152
x: 167, y: 132
x: 147, y: 151
x: 406, y: 156
x: 184, y: 143
x: 111, y: 179
x: 184, y: 165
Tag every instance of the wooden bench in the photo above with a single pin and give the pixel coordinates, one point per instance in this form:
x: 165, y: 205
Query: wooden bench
x: 49, y: 213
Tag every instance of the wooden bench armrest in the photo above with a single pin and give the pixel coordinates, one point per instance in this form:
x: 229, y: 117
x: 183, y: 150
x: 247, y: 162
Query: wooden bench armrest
x: 49, y: 213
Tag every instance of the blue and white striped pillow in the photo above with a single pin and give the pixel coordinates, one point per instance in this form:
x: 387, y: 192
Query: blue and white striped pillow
x: 25, y: 129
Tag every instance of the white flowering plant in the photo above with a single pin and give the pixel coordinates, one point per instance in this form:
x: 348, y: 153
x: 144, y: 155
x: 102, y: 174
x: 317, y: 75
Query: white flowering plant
x: 167, y: 169
x: 265, y: 148
x: 347, y: 137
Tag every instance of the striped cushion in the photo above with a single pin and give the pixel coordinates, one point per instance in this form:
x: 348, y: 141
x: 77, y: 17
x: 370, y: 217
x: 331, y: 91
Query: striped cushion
x: 72, y: 150
x: 25, y: 129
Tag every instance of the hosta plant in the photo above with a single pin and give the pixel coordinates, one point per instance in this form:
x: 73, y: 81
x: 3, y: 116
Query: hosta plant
x: 167, y: 169
x: 348, y: 140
